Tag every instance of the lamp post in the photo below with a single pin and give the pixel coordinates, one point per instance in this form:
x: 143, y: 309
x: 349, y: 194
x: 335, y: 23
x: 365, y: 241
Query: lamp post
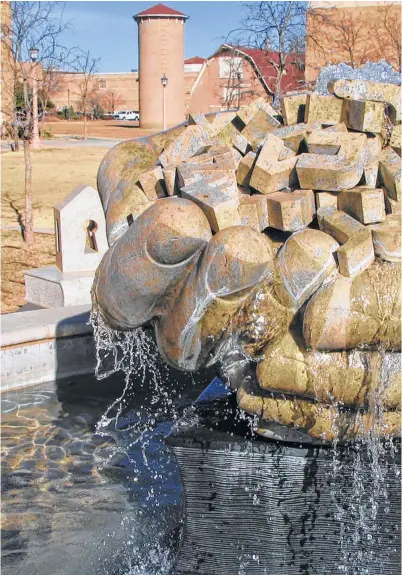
x: 35, y: 141
x: 164, y: 82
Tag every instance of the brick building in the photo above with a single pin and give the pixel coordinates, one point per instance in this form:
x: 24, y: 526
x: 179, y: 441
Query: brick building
x: 7, y: 67
x: 230, y: 77
x: 113, y: 91
x: 353, y: 33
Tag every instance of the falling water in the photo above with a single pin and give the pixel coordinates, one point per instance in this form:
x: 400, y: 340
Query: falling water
x: 357, y: 502
x: 150, y: 420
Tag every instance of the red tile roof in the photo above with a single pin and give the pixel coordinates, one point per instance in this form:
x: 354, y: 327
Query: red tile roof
x: 195, y: 60
x: 262, y: 60
x: 161, y: 10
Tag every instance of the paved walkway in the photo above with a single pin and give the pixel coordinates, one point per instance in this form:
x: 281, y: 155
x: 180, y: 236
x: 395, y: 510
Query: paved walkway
x: 68, y: 142
x: 6, y: 227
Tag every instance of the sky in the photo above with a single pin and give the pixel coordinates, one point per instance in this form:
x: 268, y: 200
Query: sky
x: 108, y: 31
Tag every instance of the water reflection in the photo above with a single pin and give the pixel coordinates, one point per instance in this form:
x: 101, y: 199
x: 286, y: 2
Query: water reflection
x: 77, y: 498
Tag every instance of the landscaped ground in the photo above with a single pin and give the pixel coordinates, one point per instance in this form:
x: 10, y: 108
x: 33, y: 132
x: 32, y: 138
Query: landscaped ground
x: 122, y: 130
x: 55, y: 173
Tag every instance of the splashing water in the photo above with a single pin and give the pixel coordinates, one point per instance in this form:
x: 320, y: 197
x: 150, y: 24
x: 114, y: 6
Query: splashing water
x: 357, y: 504
x: 155, y: 403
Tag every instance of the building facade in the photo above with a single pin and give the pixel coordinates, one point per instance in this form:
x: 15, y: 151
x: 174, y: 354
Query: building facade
x: 353, y: 33
x: 7, y: 65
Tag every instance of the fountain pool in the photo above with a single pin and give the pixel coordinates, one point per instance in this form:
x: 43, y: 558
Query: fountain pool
x: 78, y: 497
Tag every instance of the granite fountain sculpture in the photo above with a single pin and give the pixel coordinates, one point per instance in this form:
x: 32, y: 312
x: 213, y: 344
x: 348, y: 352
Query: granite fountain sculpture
x: 271, y: 247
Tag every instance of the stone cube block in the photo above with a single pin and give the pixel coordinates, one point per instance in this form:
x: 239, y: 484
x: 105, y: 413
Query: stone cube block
x: 364, y: 115
x: 257, y: 128
x: 269, y: 177
x: 153, y: 183
x: 197, y: 119
x: 194, y: 139
x: 326, y: 200
x: 286, y: 153
x: 218, y: 204
x: 219, y: 122
x: 387, y: 238
x: 253, y: 211
x: 269, y: 174
x: 290, y: 212
x: 364, y: 204
x: 332, y: 172
x: 392, y: 206
x: 368, y: 90
x: 190, y: 173
x: 245, y: 114
x: 245, y: 169
x: 336, y: 128
x: 325, y: 109
x: 292, y: 136
x: 356, y: 252
x: 293, y: 108
x: 242, y: 144
x: 395, y: 139
x: 390, y: 172
x: 80, y: 228
x: 169, y: 175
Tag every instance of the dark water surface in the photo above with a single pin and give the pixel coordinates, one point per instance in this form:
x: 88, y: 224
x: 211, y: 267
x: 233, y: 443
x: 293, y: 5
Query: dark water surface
x: 83, y: 498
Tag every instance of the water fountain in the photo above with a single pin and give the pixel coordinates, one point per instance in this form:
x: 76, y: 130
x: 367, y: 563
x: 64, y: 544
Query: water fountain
x: 271, y: 252
x: 266, y: 252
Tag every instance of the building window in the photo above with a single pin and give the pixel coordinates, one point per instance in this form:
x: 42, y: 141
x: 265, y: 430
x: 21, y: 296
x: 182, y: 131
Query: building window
x: 102, y: 84
x: 230, y: 67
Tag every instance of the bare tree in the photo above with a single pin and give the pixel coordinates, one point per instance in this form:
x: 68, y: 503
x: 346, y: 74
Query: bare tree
x: 36, y: 25
x: 275, y: 28
x: 111, y: 101
x: 51, y: 84
x: 387, y: 35
x: 355, y: 36
x: 87, y: 87
x: 235, y: 87
x: 231, y: 89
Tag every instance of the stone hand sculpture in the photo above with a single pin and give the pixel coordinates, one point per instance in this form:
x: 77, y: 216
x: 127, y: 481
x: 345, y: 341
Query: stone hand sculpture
x: 297, y: 290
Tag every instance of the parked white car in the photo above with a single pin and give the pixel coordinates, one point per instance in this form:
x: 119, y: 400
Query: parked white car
x: 126, y: 115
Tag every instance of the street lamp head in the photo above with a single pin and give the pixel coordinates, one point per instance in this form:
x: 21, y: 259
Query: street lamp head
x: 33, y: 54
x: 164, y: 81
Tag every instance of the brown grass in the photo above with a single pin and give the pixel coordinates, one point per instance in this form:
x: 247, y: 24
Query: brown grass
x: 55, y: 173
x: 16, y: 257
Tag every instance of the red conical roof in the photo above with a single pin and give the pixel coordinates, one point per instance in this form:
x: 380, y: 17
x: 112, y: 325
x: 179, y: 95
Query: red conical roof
x: 160, y: 10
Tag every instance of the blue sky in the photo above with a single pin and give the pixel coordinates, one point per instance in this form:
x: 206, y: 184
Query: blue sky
x: 108, y: 30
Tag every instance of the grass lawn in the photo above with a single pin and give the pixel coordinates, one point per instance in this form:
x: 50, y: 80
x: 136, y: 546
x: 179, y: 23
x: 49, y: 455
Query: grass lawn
x: 55, y: 173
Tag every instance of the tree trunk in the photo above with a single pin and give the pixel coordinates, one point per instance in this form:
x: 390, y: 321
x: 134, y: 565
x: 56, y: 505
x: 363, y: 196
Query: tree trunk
x: 85, y: 126
x: 16, y: 140
x: 28, y: 229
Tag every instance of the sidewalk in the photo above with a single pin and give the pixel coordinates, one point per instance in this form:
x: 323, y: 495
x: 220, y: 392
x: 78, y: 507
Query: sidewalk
x: 68, y: 142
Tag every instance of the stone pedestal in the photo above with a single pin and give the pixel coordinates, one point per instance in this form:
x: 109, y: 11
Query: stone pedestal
x: 49, y: 287
x: 265, y: 507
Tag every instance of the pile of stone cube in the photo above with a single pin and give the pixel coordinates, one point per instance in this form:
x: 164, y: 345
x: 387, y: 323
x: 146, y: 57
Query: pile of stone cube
x: 328, y: 162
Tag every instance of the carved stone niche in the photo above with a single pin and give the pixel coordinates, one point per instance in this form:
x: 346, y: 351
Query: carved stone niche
x: 81, y: 242
x: 80, y: 229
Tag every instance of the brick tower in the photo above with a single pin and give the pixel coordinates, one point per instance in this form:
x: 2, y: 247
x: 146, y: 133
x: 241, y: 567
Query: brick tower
x: 161, y: 55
